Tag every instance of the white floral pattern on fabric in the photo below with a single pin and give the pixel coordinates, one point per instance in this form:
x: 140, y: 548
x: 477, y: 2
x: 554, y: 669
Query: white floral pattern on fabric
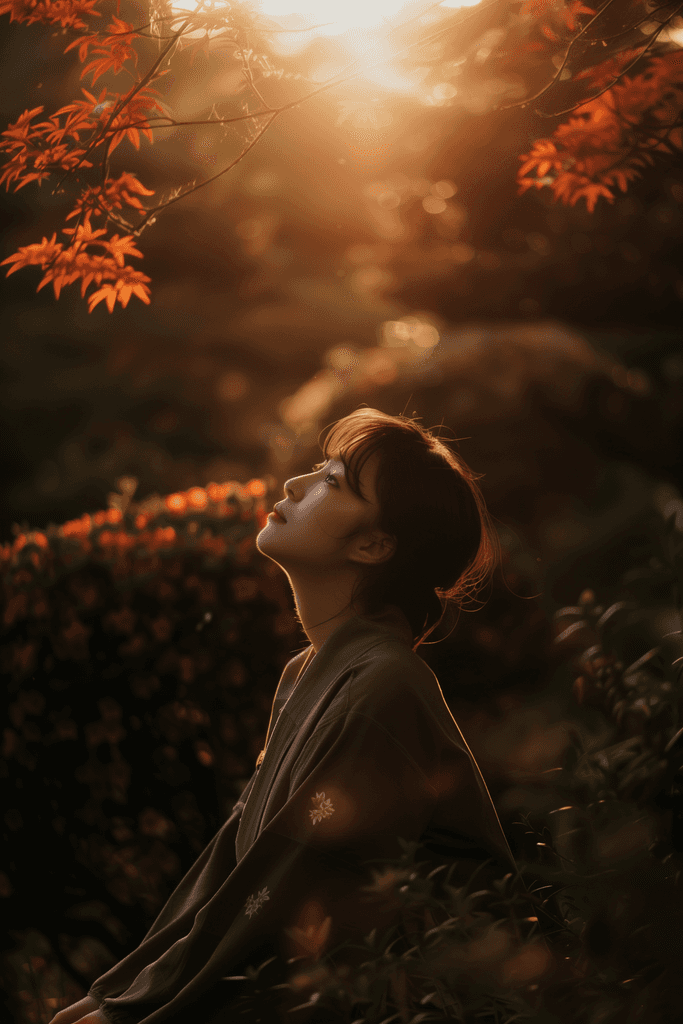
x: 255, y: 903
x: 323, y: 808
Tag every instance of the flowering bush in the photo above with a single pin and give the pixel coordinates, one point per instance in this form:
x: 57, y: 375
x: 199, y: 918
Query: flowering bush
x: 139, y: 648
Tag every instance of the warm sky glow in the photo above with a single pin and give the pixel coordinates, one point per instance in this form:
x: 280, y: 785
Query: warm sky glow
x: 342, y: 15
x: 361, y: 28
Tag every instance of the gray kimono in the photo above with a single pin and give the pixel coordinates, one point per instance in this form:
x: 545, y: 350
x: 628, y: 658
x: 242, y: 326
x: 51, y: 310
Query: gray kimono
x: 362, y: 750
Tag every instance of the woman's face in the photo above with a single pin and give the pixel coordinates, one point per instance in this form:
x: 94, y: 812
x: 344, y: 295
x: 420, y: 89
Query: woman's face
x: 320, y: 509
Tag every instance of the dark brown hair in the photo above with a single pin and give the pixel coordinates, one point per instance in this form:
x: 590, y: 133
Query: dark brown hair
x: 446, y: 544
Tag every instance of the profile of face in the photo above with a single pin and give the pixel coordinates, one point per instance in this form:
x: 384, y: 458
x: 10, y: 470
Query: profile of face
x: 320, y: 510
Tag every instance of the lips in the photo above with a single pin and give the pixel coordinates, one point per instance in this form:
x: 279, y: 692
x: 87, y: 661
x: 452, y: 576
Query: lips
x: 279, y: 513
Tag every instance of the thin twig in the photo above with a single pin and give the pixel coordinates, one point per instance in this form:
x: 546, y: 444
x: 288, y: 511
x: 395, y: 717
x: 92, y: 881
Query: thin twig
x: 195, y: 188
x: 343, y: 76
x: 637, y: 24
x: 249, y: 76
x: 558, y: 72
x: 560, y: 69
x: 461, y: 19
x: 589, y: 99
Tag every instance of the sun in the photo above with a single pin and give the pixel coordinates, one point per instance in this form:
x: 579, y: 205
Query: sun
x: 362, y: 29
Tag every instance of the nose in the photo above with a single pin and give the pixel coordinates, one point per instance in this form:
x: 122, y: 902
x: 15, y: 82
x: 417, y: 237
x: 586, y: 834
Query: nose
x: 294, y: 484
x: 288, y: 489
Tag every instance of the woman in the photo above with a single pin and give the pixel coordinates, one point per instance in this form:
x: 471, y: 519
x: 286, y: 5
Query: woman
x: 361, y: 749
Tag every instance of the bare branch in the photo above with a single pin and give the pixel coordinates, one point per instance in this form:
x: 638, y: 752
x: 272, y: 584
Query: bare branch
x: 195, y: 188
x: 461, y: 19
x: 249, y: 76
x: 309, y: 28
x: 558, y: 72
x: 556, y: 77
x: 643, y: 21
x: 589, y: 99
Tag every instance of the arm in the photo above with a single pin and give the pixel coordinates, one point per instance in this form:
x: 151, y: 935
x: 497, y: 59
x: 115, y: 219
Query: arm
x: 177, y: 915
x: 76, y: 1012
x: 298, y: 884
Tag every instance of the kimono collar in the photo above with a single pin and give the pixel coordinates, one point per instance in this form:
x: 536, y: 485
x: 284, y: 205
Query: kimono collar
x: 350, y: 641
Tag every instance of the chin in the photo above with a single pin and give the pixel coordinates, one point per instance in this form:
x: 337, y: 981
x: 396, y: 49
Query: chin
x: 264, y: 537
x: 260, y: 536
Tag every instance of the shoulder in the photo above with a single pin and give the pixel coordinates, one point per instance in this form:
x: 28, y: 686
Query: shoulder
x: 392, y: 661
x: 392, y: 679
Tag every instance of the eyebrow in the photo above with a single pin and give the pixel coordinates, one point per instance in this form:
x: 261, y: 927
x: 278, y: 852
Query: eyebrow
x: 338, y: 476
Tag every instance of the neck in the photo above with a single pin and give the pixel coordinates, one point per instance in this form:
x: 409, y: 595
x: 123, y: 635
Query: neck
x: 322, y: 605
x: 319, y: 630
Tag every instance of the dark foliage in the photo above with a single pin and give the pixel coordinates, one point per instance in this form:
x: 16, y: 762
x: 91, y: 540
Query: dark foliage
x: 139, y: 684
x: 138, y: 650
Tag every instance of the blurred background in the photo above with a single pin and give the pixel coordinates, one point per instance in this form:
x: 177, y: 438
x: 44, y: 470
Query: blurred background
x: 372, y: 249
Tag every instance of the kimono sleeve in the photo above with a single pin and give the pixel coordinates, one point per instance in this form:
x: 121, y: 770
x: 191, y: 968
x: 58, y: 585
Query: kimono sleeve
x: 176, y: 917
x: 297, y: 886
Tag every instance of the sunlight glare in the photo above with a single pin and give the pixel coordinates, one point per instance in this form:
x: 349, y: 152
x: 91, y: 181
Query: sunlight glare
x: 358, y: 27
x: 340, y: 16
x: 362, y: 28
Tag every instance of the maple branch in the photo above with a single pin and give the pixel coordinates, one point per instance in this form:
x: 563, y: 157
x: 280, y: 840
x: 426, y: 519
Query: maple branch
x: 195, y: 188
x: 122, y: 102
x: 183, y: 124
x: 559, y: 70
x: 589, y: 99
x: 338, y: 79
x: 343, y: 76
x: 643, y: 21
x: 556, y: 77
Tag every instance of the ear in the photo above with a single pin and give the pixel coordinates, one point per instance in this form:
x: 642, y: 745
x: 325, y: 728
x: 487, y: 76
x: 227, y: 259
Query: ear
x: 375, y: 549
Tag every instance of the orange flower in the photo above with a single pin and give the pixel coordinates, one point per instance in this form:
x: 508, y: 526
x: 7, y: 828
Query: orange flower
x: 197, y: 497
x: 217, y: 492
x: 176, y: 503
x: 256, y: 488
